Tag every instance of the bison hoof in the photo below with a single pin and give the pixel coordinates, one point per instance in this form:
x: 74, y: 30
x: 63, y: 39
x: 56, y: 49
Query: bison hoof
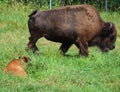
x: 37, y: 52
x: 62, y: 53
x: 83, y: 55
x: 105, y: 50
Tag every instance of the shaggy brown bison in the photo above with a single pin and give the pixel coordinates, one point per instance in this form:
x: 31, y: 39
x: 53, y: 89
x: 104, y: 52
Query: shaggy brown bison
x: 78, y: 24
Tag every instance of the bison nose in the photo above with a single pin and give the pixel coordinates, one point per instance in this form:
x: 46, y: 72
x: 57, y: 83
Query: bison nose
x: 112, y: 47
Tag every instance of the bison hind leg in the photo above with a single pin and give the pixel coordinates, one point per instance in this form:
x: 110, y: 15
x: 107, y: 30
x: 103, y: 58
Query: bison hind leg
x: 64, y: 48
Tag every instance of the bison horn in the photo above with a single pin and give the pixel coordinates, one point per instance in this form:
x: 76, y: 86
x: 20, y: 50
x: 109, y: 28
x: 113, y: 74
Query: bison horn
x: 110, y: 27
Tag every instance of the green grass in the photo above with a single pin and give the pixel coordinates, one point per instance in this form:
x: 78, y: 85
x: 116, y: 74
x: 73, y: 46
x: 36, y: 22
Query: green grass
x: 50, y: 71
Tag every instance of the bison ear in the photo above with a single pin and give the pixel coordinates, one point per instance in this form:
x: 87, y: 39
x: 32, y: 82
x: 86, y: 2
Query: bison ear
x: 26, y: 59
x: 107, y: 29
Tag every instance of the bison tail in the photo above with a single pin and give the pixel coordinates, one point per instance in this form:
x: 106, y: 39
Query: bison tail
x: 34, y: 12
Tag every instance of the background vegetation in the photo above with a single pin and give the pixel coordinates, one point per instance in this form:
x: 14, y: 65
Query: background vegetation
x: 113, y: 5
x: 51, y: 72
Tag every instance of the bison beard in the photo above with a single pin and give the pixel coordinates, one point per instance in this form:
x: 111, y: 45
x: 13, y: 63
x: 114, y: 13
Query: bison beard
x: 79, y: 24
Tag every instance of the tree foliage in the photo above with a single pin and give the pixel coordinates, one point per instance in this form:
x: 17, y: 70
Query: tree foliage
x: 100, y: 4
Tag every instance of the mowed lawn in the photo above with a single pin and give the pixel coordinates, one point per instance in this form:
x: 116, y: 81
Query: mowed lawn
x: 50, y: 71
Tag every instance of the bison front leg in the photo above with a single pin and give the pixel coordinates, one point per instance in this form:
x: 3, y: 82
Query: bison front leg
x: 64, y: 47
x: 83, y: 48
x: 32, y: 44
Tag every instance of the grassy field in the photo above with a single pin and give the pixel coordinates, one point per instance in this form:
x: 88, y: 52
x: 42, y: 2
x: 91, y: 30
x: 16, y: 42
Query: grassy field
x: 50, y: 71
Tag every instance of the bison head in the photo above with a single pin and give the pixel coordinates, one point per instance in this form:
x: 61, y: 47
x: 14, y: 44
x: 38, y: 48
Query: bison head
x: 108, y: 37
x: 106, y: 40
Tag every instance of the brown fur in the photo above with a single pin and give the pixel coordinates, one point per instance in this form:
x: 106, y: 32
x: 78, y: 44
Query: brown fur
x: 16, y: 67
x: 78, y: 24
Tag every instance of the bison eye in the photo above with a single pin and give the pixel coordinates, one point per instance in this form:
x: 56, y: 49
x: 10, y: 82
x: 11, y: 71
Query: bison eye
x: 112, y: 37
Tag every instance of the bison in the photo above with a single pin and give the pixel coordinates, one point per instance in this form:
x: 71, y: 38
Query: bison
x: 78, y: 24
x: 16, y: 66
